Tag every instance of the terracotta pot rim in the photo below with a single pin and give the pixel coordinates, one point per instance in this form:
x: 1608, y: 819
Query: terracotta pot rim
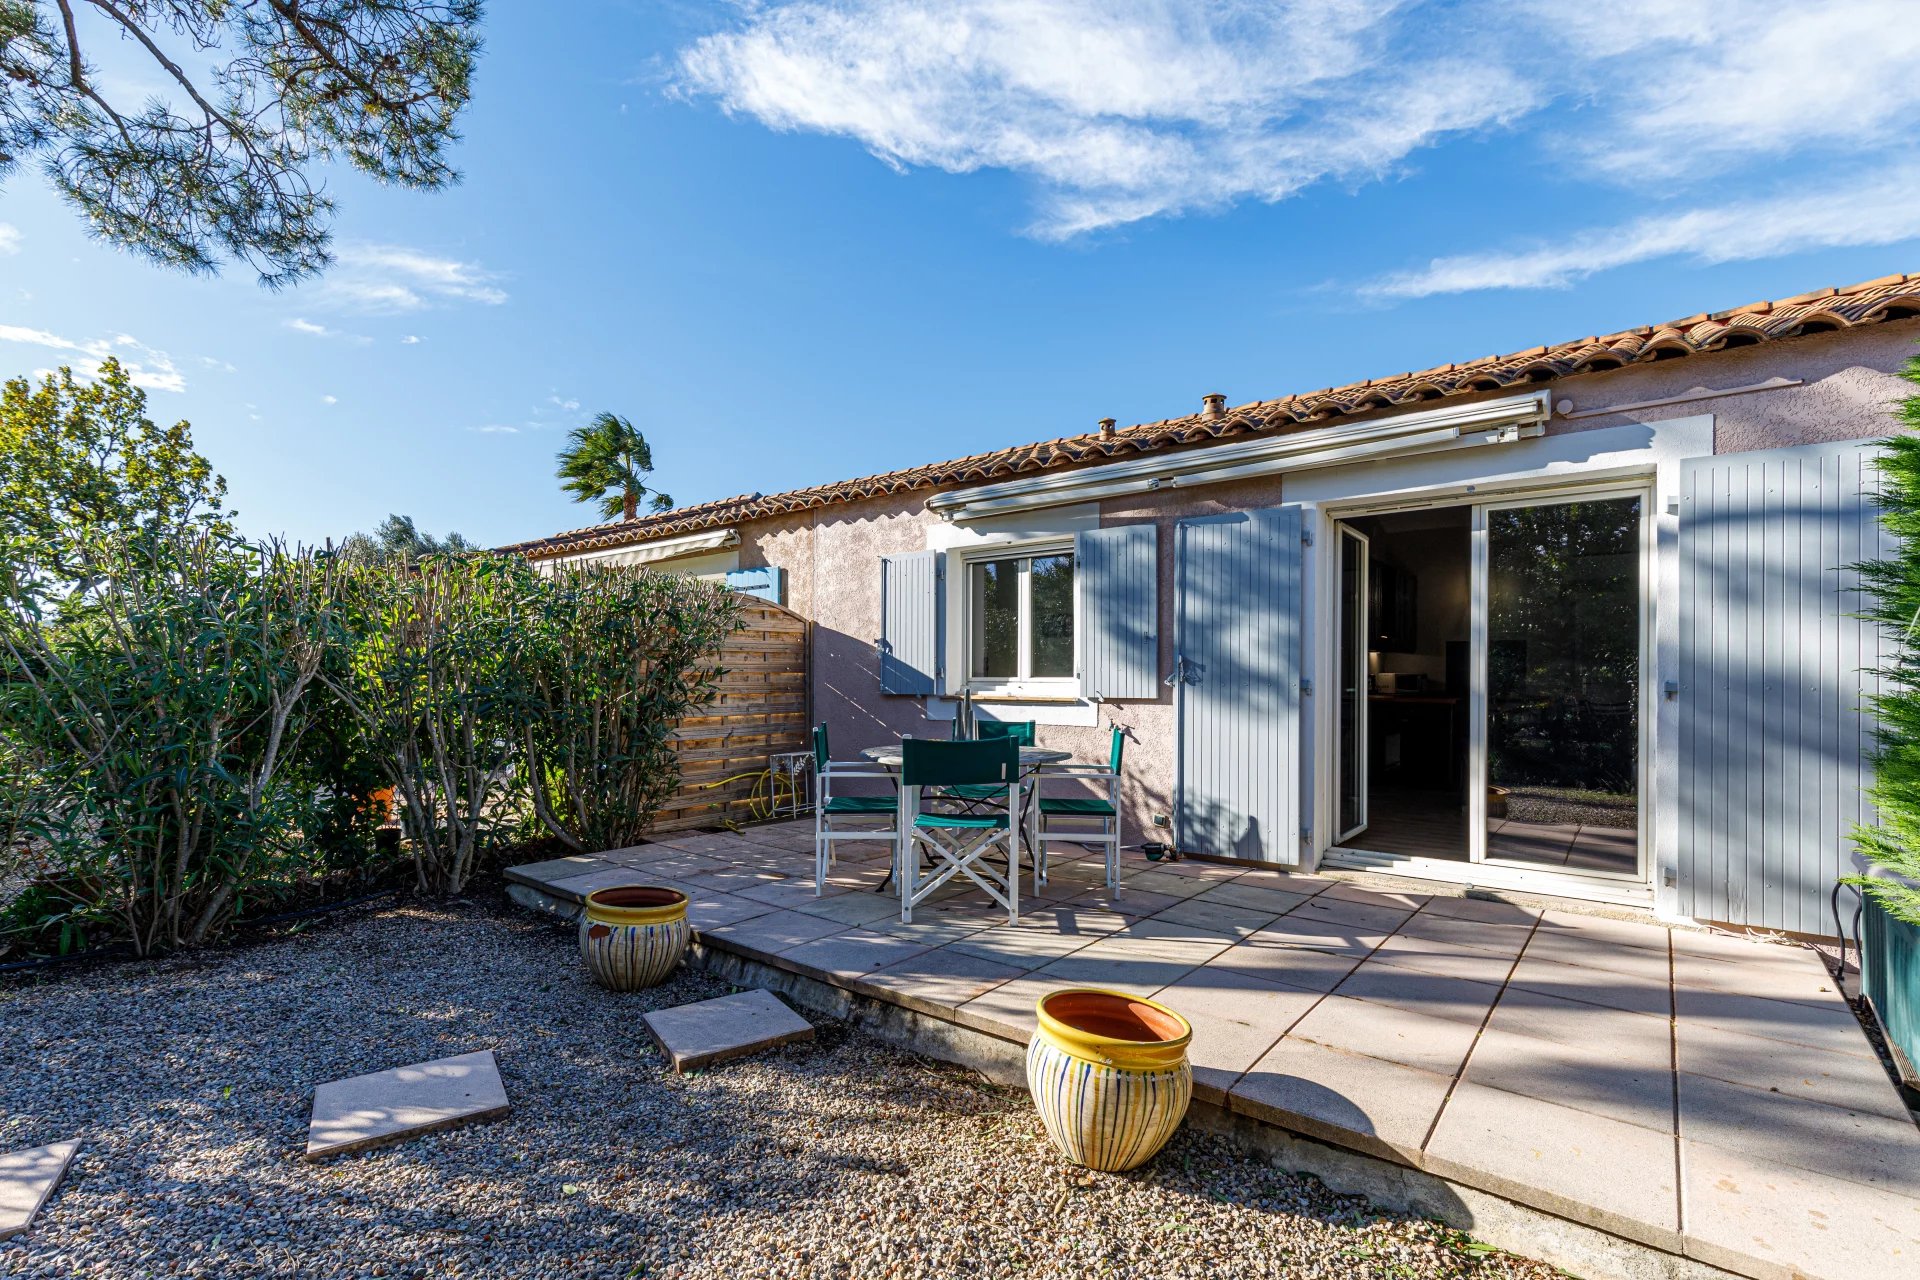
x: 636, y: 904
x: 1163, y: 1033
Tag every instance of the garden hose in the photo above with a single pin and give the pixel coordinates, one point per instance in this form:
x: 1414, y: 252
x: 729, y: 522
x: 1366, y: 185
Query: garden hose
x: 765, y: 798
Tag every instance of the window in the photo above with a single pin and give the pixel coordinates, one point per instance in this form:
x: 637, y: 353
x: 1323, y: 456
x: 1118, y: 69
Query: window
x: 1020, y: 619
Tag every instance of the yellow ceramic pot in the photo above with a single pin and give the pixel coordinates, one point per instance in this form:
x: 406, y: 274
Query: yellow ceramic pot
x: 633, y: 936
x: 1109, y: 1074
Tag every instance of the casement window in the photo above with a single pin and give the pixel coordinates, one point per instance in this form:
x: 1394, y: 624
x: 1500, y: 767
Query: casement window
x: 1020, y: 623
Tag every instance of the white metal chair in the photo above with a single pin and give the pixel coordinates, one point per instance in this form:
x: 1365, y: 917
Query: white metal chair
x: 1082, y: 808
x: 957, y: 844
x: 827, y: 807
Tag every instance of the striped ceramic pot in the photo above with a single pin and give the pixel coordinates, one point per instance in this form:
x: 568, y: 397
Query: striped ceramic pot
x: 1109, y: 1074
x: 633, y: 936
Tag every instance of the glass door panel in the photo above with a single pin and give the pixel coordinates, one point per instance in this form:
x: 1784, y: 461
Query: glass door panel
x: 1351, y: 724
x: 1562, y: 670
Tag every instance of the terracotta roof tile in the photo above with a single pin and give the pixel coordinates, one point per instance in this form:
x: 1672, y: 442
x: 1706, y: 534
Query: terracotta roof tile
x: 1870, y: 302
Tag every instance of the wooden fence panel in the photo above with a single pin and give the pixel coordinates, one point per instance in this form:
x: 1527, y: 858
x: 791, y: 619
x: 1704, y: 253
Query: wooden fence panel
x: 761, y: 710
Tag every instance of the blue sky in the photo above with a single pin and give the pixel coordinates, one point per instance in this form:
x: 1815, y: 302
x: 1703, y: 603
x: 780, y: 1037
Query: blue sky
x: 797, y: 242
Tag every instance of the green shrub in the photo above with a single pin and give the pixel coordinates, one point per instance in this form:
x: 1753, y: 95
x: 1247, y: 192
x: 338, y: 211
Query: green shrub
x: 614, y: 657
x: 164, y: 706
x: 1894, y: 584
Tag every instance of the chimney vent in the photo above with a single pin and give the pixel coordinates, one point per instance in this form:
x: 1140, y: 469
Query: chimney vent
x: 1106, y: 428
x: 1215, y: 406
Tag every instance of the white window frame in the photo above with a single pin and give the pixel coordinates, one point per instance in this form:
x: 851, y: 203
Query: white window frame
x: 1043, y: 688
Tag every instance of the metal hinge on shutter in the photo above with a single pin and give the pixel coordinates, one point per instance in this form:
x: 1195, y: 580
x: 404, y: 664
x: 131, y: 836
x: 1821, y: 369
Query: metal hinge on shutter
x: 1306, y: 536
x: 1306, y: 687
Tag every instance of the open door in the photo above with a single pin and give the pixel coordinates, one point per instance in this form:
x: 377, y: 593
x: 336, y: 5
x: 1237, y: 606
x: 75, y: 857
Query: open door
x: 1350, y: 717
x: 1237, y: 688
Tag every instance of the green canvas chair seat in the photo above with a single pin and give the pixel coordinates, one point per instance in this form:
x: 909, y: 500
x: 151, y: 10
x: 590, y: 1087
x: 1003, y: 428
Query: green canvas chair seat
x: 862, y: 804
x: 1076, y: 806
x: 963, y: 821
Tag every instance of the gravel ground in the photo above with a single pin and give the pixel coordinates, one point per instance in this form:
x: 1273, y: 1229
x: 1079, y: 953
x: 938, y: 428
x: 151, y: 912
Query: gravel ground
x: 189, y: 1082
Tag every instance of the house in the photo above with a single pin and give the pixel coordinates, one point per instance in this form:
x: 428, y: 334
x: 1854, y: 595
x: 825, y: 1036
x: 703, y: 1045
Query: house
x: 1575, y: 620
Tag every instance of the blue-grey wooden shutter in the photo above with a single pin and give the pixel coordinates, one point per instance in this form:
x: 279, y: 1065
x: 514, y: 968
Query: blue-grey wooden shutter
x: 1117, y: 573
x: 1238, y: 639
x: 1774, y: 673
x: 769, y: 582
x: 912, y: 622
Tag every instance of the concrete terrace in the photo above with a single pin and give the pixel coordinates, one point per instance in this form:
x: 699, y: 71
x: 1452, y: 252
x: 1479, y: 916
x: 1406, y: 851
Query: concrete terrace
x: 1706, y: 1096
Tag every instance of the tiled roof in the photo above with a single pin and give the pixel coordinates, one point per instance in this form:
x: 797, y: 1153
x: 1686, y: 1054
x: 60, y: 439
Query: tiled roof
x: 1888, y: 298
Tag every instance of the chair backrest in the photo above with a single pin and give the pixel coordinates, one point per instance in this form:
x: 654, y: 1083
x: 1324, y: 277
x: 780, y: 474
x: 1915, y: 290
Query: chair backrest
x: 927, y: 762
x: 820, y: 747
x: 1021, y: 731
x: 1119, y: 749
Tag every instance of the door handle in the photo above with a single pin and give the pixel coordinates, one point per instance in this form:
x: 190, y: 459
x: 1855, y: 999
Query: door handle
x: 1179, y: 673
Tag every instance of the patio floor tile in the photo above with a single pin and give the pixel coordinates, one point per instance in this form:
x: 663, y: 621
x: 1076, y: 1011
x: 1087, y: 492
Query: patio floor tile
x: 1505, y: 940
x: 1637, y: 1093
x: 1130, y: 967
x: 857, y: 908
x: 1366, y: 895
x: 776, y: 931
x: 541, y: 874
x: 580, y: 886
x: 1589, y: 985
x: 1606, y: 1173
x: 1432, y: 994
x: 28, y: 1180
x: 1305, y: 967
x: 709, y: 909
x: 1818, y: 1075
x: 1420, y: 1040
x: 790, y: 895
x: 1368, y: 917
x: 1165, y: 882
x: 1605, y: 931
x: 1833, y: 1029
x: 1774, y: 1220
x: 385, y: 1106
x: 1025, y: 945
x: 1781, y: 978
x: 1222, y: 918
x: 1445, y: 959
x: 853, y: 954
x: 727, y: 1027
x: 937, y: 980
x: 1236, y: 1019
x: 1839, y: 1142
x: 1008, y: 1009
x: 1643, y: 1041
x: 1485, y: 910
x: 1370, y: 1104
x: 1134, y: 904
x: 1296, y: 930
x: 1253, y: 897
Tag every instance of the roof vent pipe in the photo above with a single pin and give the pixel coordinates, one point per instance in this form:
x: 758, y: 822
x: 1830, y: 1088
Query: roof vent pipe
x: 1215, y: 406
x: 1106, y: 428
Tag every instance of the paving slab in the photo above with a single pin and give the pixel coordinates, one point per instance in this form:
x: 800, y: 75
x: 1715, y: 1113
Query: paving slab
x: 1633, y: 993
x: 853, y: 954
x: 1486, y: 910
x: 850, y: 908
x: 709, y: 908
x: 1255, y: 897
x: 1235, y: 1019
x: 1505, y: 940
x: 539, y: 875
x: 1366, y: 916
x: 1446, y: 959
x: 1605, y: 1173
x: 1420, y: 1040
x: 1640, y: 1040
x: 1308, y: 968
x: 939, y: 980
x: 386, y: 1106
x: 1636, y: 1092
x: 1818, y: 1075
x: 27, y: 1181
x: 1789, y: 1021
x: 774, y: 932
x: 1225, y: 919
x: 1436, y: 995
x: 1838, y: 1142
x: 1368, y: 1104
x: 1782, y: 1223
x: 709, y: 1031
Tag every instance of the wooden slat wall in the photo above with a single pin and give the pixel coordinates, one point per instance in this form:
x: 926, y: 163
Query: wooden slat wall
x: 762, y: 709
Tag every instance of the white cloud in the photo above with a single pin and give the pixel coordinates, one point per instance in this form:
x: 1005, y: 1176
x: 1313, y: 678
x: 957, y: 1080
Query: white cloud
x: 1876, y: 211
x: 410, y: 340
x: 315, y: 330
x: 9, y: 238
x: 1120, y: 110
x: 329, y: 399
x: 496, y: 429
x: 386, y: 278
x: 567, y: 405
x: 146, y: 367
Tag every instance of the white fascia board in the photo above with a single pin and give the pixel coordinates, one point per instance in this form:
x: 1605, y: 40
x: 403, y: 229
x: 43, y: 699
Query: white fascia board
x: 691, y: 544
x: 1488, y: 422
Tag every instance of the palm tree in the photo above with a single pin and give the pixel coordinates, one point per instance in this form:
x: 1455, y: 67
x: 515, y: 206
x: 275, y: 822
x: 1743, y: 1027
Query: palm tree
x: 607, y: 461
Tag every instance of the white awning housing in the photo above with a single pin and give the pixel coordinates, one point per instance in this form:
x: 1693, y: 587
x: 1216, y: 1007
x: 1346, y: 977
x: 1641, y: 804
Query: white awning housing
x: 1488, y: 422
x: 692, y: 544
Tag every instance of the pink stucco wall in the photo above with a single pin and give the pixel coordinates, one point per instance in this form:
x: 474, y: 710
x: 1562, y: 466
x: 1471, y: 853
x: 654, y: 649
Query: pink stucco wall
x: 832, y: 556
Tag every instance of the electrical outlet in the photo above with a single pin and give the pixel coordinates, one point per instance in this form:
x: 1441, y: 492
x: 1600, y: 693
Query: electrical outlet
x: 1161, y: 820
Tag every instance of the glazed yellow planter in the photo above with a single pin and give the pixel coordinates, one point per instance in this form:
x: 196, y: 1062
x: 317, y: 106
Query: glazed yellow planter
x: 1109, y: 1075
x: 633, y: 936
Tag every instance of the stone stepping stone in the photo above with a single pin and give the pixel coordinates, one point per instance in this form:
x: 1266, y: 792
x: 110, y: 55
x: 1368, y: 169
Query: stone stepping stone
x: 386, y: 1106
x: 699, y: 1035
x: 27, y: 1179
